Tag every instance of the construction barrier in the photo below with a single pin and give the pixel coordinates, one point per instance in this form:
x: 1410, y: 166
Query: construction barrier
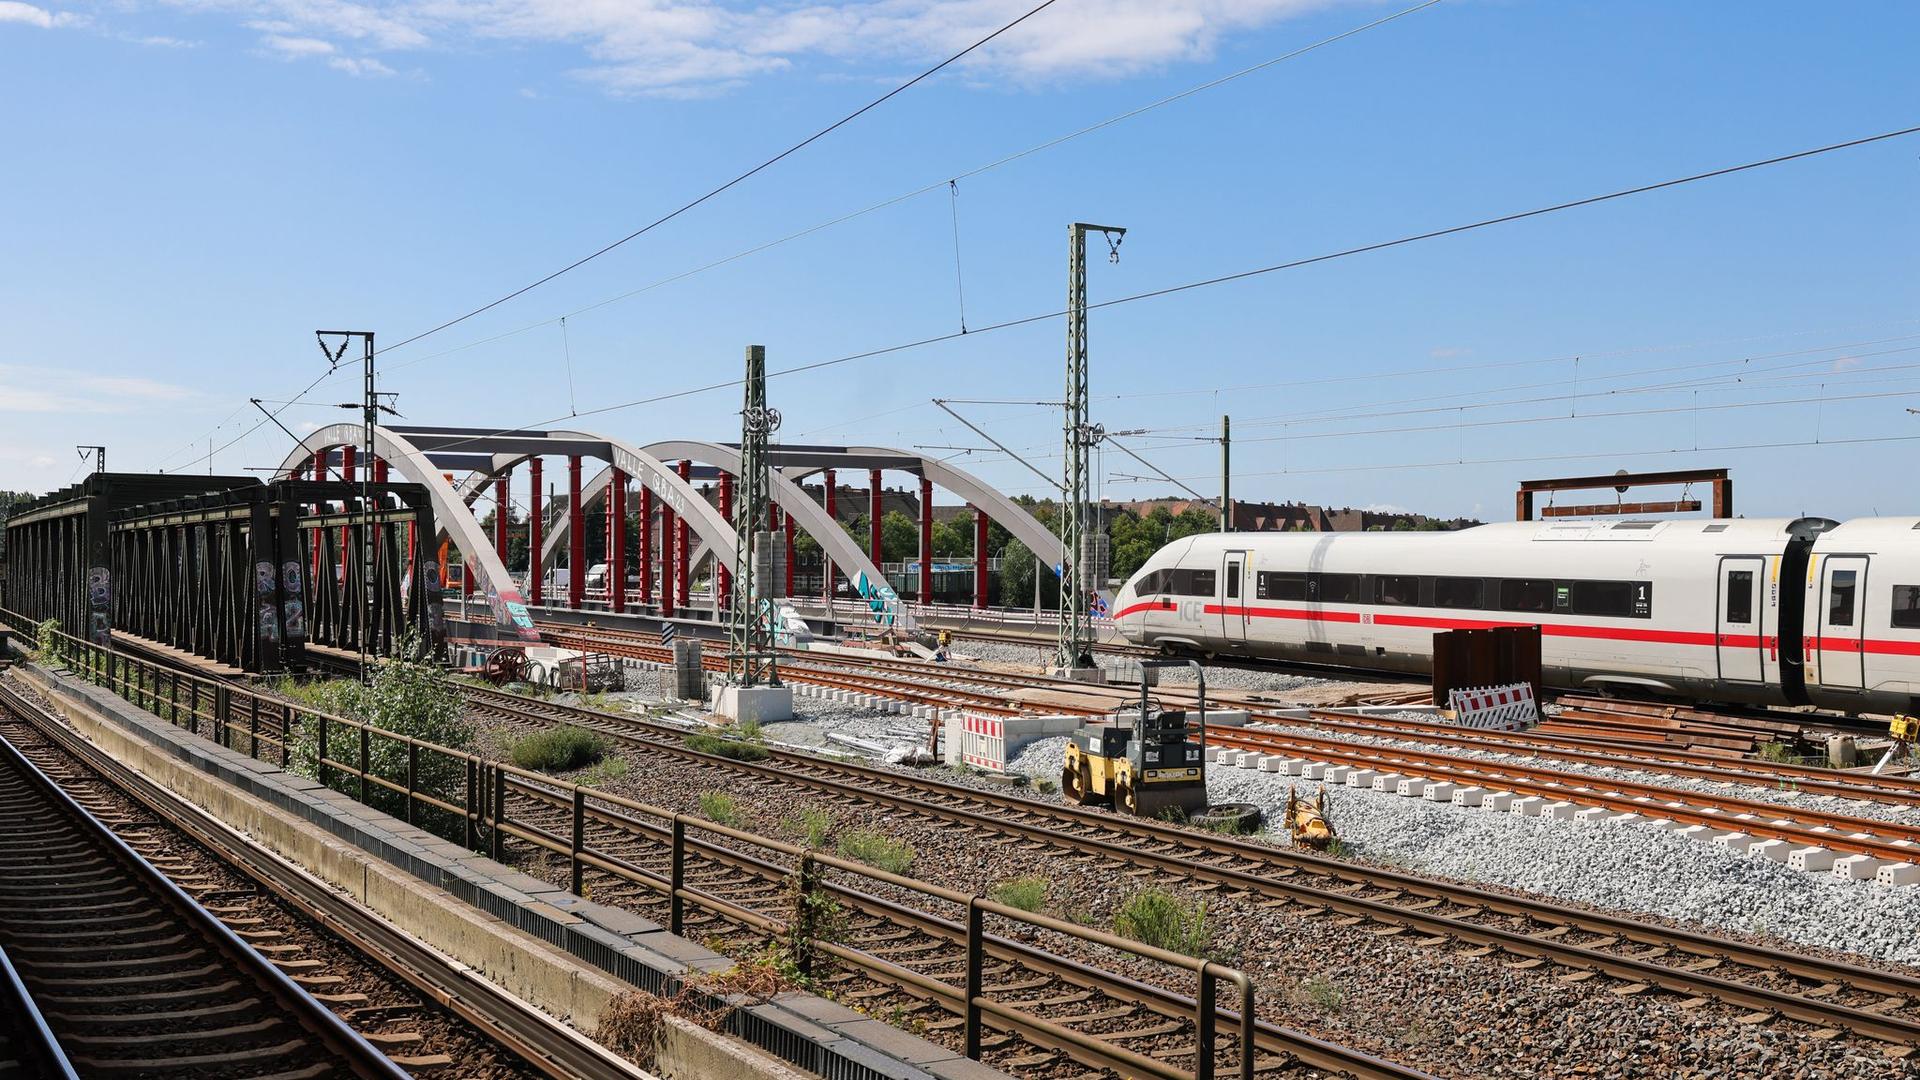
x: 1502, y: 708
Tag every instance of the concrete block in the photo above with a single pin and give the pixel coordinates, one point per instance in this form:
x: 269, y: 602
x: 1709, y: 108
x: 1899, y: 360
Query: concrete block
x: 1251, y: 760
x: 1900, y: 873
x: 1273, y: 763
x: 1294, y: 766
x: 1777, y: 850
x: 1439, y: 792
x: 1558, y: 811
x: 1388, y: 782
x: 1361, y: 778
x: 1337, y: 774
x: 1812, y: 859
x: 1528, y: 807
x: 1702, y: 833
x: 760, y: 704
x: 1660, y: 823
x: 1469, y: 796
x: 1411, y: 787
x: 1228, y: 758
x: 1592, y: 815
x: 1499, y: 802
x: 1213, y: 754
x: 1857, y: 868
x: 1315, y: 770
x: 1735, y: 841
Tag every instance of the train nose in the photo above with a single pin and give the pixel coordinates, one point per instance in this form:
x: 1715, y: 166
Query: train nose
x: 1128, y: 617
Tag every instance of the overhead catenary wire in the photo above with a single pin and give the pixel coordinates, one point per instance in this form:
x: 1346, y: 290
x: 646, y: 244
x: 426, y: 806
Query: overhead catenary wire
x: 737, y: 180
x: 950, y: 182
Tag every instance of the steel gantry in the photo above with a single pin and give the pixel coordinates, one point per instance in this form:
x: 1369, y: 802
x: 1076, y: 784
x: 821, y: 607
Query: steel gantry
x: 1077, y: 532
x: 752, y: 659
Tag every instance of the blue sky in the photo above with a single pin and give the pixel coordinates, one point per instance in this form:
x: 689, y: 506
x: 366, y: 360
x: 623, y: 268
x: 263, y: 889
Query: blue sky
x: 191, y: 188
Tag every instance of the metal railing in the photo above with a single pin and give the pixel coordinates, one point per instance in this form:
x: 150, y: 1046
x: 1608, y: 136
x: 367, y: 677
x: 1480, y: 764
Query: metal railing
x: 342, y: 755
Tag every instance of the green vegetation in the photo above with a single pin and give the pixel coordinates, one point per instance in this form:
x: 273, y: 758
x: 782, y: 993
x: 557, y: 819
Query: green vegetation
x: 1156, y: 917
x: 557, y: 749
x: 1027, y: 893
x: 812, y: 825
x: 719, y: 808
x: 747, y: 746
x: 407, y: 697
x: 877, y: 850
x: 1323, y: 993
x: 603, y: 772
x: 46, y: 641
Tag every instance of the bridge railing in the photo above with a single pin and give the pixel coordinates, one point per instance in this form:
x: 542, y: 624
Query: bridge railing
x: 489, y: 803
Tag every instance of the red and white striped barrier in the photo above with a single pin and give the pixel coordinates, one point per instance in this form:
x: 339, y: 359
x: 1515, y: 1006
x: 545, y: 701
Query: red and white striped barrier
x: 1495, y: 707
x: 984, y: 742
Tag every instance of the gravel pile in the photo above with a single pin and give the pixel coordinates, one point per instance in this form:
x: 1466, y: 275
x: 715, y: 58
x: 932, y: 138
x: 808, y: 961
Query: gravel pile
x: 1218, y: 677
x: 1832, y: 804
x: 814, y: 719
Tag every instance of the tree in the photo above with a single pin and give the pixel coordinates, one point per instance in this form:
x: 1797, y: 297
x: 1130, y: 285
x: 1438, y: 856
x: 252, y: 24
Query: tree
x: 1017, y: 568
x: 953, y: 538
x: 899, y: 537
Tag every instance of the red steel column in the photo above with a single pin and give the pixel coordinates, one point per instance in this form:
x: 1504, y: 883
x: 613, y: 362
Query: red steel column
x: 684, y: 572
x: 826, y: 563
x: 666, y: 559
x: 979, y: 557
x: 646, y: 545
x: 926, y: 540
x: 722, y: 576
x: 789, y: 559
x: 576, y: 537
x: 617, y: 555
x: 349, y: 474
x: 536, y: 587
x: 874, y: 510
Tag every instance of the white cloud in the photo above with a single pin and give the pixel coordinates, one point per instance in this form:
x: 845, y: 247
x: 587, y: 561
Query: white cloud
x: 691, y: 47
x: 28, y: 389
x: 12, y: 11
x: 364, y: 66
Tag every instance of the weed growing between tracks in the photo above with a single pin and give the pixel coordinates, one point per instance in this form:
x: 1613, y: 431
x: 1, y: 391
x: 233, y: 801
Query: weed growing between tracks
x: 1156, y: 917
x: 746, y: 745
x: 719, y: 808
x: 560, y: 749
x: 812, y: 825
x: 877, y: 850
x: 1028, y: 893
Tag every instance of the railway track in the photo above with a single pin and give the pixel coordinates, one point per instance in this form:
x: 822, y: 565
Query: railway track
x: 1627, y: 956
x: 397, y: 998
x: 132, y: 975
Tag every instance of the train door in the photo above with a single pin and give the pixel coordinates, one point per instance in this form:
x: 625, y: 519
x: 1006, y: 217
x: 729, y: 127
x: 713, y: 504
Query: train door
x: 1843, y: 592
x: 1233, y: 599
x: 1742, y: 659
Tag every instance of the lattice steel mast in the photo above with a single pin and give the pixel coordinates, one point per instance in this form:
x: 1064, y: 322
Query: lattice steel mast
x: 1076, y: 519
x: 752, y: 659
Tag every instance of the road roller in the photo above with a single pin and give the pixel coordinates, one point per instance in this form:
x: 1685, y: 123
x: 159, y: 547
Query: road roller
x: 1138, y: 758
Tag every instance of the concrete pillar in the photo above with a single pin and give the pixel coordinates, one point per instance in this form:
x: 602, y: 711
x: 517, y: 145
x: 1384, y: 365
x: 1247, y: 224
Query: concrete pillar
x: 685, y: 572
x: 536, y: 587
x: 979, y: 557
x: 875, y: 509
x: 646, y: 545
x: 926, y: 540
x: 722, y: 575
x: 617, y: 553
x: 576, y: 537
x: 826, y: 564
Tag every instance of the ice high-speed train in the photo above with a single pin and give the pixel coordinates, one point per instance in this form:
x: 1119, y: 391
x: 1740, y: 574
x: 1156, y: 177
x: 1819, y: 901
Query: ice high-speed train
x: 1804, y: 611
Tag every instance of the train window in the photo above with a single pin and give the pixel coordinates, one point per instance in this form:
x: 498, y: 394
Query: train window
x: 1840, y: 598
x: 1396, y: 589
x: 1526, y: 594
x: 1459, y: 592
x: 1191, y: 583
x: 1233, y: 581
x: 1275, y: 586
x: 1906, y: 607
x: 1739, y: 596
x: 1152, y: 584
x: 1337, y: 588
x: 1612, y: 599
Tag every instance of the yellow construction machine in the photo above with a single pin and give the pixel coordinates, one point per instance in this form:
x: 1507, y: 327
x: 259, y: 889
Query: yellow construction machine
x: 1307, y: 822
x: 1139, y: 758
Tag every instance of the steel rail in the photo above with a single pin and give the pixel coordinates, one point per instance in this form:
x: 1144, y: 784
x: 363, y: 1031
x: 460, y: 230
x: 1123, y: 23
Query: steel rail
x: 38, y: 1047
x: 786, y: 768
x: 1271, y: 1037
x: 340, y: 1041
x: 498, y: 1015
